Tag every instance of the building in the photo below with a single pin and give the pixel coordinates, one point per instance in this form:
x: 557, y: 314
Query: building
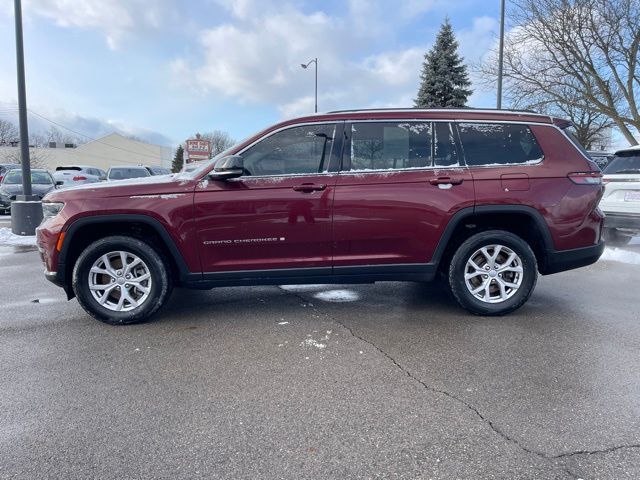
x: 111, y: 150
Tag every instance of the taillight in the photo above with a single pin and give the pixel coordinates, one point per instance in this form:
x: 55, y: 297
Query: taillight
x: 586, y: 178
x: 79, y: 178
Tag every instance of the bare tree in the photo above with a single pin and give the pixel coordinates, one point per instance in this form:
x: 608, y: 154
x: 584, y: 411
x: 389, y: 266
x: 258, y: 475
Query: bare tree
x: 8, y: 132
x: 38, y: 157
x: 581, y: 55
x: 54, y: 134
x: 220, y: 141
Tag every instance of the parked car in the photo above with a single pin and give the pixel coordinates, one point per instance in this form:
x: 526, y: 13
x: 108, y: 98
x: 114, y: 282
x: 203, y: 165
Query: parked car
x: 621, y: 200
x: 5, y: 167
x: 484, y: 199
x: 125, y: 173
x: 41, y: 183
x: 72, y: 175
x: 601, y: 159
x: 153, y: 170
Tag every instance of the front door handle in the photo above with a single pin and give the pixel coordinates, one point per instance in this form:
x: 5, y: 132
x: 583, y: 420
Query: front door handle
x: 446, y: 181
x: 310, y: 187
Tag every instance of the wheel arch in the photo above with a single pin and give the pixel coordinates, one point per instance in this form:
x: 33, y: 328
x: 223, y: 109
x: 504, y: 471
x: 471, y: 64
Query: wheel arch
x: 521, y: 220
x: 86, y: 230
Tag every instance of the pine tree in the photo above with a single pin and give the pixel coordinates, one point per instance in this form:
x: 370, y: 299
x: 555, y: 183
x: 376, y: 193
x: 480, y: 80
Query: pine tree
x: 445, y: 82
x: 178, y: 160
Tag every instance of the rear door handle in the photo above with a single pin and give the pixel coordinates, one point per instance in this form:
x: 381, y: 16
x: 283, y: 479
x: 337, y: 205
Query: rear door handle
x: 446, y: 181
x: 310, y: 187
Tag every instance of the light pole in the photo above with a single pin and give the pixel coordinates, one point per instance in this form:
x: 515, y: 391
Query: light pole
x: 501, y: 55
x: 26, y: 210
x: 305, y: 66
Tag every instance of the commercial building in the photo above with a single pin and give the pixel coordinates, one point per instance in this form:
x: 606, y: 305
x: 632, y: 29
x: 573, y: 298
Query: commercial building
x: 111, y: 150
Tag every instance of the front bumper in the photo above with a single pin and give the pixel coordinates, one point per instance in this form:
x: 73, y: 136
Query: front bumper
x: 562, y: 260
x: 622, y: 220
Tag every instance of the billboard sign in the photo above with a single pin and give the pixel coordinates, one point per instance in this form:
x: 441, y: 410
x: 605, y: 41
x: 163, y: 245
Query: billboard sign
x: 198, y: 149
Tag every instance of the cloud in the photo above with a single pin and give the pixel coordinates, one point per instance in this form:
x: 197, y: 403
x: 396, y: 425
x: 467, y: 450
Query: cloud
x: 115, y: 19
x: 255, y: 59
x: 42, y: 118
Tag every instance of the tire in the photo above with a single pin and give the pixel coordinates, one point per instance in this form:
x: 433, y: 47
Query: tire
x: 500, y: 300
x: 614, y: 238
x: 151, y: 291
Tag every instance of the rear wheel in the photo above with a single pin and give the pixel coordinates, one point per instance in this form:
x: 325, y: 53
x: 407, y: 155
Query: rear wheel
x: 121, y: 280
x: 493, y: 273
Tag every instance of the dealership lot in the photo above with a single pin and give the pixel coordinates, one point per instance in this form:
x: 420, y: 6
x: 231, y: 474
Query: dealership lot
x: 390, y: 380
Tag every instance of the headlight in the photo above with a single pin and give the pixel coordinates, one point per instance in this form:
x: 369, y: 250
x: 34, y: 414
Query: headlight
x: 51, y: 209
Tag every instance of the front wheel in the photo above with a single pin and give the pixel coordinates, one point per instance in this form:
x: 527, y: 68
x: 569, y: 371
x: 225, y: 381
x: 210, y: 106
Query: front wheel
x: 493, y: 273
x: 121, y: 280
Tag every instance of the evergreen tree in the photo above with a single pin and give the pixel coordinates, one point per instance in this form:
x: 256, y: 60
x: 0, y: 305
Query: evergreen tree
x: 445, y: 82
x: 178, y: 160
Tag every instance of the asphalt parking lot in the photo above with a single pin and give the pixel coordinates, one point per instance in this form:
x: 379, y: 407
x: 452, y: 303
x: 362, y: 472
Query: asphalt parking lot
x: 390, y: 380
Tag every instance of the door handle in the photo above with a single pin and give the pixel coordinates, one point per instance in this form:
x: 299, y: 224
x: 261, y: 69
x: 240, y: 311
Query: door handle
x: 446, y: 181
x: 310, y: 187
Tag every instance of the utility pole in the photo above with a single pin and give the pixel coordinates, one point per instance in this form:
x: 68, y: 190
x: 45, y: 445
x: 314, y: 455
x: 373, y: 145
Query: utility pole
x: 501, y: 55
x: 26, y: 210
x: 305, y: 66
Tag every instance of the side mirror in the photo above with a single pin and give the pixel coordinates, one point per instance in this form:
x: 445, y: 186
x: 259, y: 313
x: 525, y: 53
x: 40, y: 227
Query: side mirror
x: 59, y: 183
x: 228, y: 167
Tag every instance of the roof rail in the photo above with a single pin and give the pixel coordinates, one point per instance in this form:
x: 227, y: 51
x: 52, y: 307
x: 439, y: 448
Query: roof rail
x: 465, y: 109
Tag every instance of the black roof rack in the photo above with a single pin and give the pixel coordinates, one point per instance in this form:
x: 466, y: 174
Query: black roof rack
x: 447, y: 109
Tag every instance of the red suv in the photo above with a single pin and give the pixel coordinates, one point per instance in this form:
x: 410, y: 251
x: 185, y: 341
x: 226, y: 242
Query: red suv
x: 487, y: 199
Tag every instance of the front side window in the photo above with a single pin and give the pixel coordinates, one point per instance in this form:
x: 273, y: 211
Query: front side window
x: 298, y: 150
x: 498, y: 144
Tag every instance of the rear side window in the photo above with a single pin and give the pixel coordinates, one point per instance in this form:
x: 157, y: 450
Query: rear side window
x: 623, y: 163
x: 498, y: 144
x: 399, y: 145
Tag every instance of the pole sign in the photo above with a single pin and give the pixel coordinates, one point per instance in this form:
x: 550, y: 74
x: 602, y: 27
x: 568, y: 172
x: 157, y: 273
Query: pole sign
x: 198, y: 149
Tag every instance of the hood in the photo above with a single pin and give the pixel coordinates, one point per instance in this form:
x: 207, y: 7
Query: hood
x: 155, y: 185
x: 16, y: 188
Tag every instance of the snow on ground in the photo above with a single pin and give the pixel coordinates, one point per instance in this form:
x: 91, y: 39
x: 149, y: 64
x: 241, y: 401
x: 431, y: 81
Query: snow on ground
x: 304, y: 288
x: 8, y: 238
x: 621, y: 255
x: 337, y: 296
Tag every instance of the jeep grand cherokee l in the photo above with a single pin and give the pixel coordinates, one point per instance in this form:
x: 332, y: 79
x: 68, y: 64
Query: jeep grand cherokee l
x: 486, y: 199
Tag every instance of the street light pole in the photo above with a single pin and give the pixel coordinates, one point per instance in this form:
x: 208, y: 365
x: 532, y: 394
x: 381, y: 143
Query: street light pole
x: 501, y: 55
x: 26, y: 210
x: 305, y: 66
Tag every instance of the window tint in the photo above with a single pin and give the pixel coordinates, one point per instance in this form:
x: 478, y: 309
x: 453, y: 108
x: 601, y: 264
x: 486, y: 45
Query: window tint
x: 623, y: 164
x: 121, y: 173
x: 297, y: 150
x: 384, y: 146
x: 498, y: 144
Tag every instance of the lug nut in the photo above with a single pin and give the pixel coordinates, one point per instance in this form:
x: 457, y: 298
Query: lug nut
x: 128, y: 277
x: 485, y: 276
x: 126, y: 285
x: 119, y: 272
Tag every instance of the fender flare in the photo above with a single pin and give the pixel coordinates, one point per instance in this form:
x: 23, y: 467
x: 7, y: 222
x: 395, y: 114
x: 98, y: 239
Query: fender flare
x: 158, y: 227
x: 464, y: 213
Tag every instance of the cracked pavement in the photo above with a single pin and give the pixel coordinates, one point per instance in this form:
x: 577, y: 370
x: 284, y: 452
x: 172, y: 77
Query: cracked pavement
x: 389, y: 380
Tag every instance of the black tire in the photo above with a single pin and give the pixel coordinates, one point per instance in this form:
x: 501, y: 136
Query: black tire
x: 458, y: 266
x: 159, y: 291
x: 614, y: 238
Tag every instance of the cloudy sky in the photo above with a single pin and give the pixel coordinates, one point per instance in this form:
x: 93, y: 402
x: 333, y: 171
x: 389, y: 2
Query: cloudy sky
x: 163, y: 69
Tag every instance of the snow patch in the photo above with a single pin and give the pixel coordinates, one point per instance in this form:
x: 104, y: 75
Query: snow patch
x: 620, y: 255
x: 283, y: 323
x: 7, y: 237
x: 303, y: 288
x: 163, y: 196
x: 310, y: 342
x: 337, y: 296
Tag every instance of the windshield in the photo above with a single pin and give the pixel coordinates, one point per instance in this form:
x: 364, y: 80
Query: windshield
x: 122, y: 173
x: 623, y: 163
x: 14, y: 177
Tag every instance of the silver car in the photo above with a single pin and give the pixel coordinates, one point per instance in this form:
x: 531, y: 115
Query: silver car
x: 71, y: 175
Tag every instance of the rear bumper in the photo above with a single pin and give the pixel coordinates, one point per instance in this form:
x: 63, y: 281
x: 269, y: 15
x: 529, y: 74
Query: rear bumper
x: 562, y: 260
x: 623, y: 220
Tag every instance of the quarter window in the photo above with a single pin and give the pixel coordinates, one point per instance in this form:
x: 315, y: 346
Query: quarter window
x: 298, y: 150
x: 498, y: 144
